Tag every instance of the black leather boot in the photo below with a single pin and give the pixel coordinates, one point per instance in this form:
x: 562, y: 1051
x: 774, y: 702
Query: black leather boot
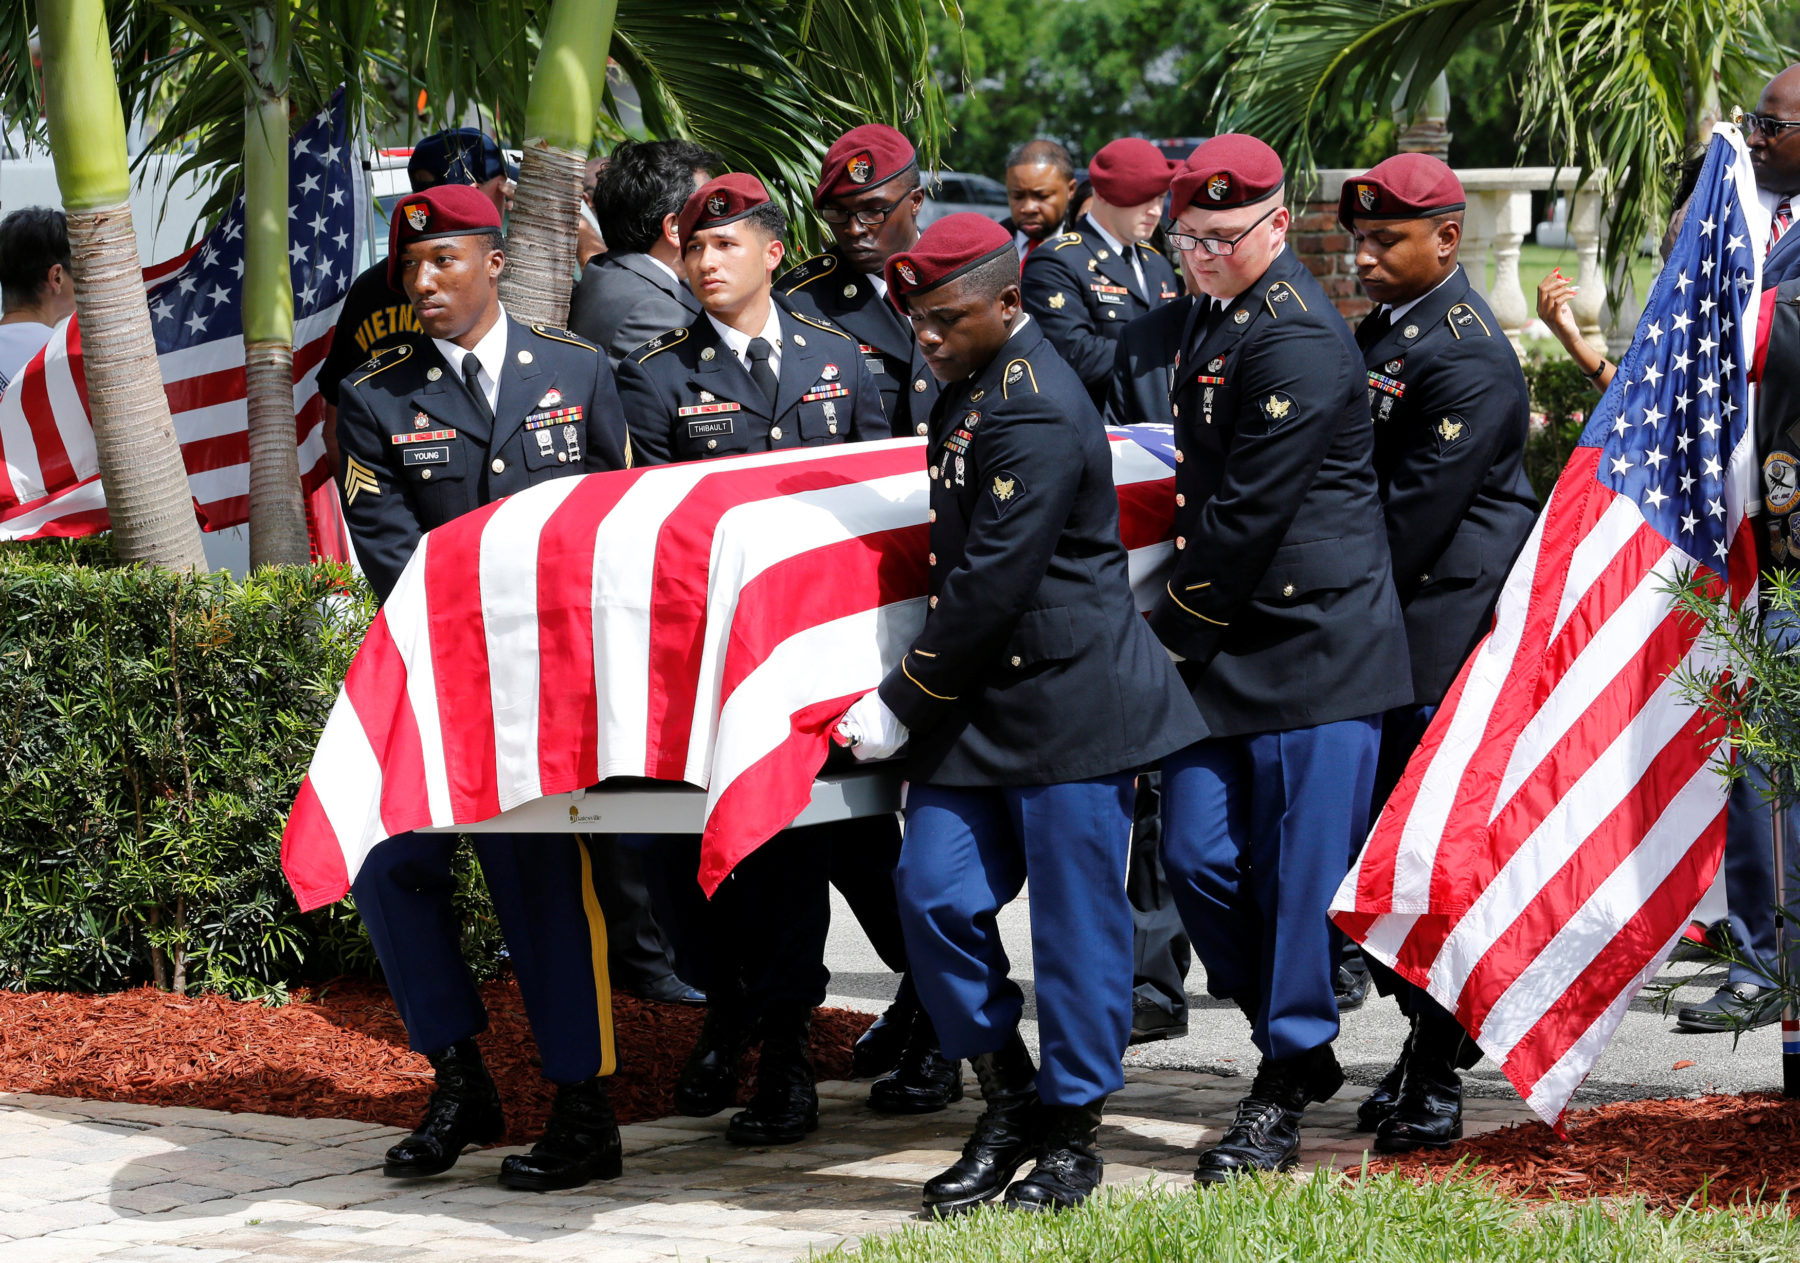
x: 925, y: 1080
x: 581, y: 1143
x: 1379, y: 1104
x: 708, y: 1081
x: 1428, y: 1114
x: 878, y: 1050
x: 464, y: 1110
x: 1069, y: 1168
x: 786, y: 1105
x: 1009, y: 1133
x: 1265, y: 1136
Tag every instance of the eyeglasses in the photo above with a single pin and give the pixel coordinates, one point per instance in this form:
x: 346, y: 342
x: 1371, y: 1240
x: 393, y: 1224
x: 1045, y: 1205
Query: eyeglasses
x: 837, y: 215
x: 1216, y: 245
x: 1768, y: 124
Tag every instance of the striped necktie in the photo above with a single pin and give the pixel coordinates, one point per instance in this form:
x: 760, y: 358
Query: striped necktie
x: 1784, y: 219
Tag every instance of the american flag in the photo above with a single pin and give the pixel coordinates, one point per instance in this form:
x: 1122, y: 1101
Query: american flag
x: 704, y: 622
x: 1564, y: 814
x: 49, y: 473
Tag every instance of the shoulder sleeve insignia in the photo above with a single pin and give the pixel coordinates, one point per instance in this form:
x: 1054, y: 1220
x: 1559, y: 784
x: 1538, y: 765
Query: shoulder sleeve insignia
x: 661, y: 342
x: 1017, y: 372
x: 1463, y: 318
x: 1006, y: 490
x: 383, y: 360
x: 1057, y: 300
x: 1068, y: 239
x: 1449, y: 430
x: 358, y: 478
x: 563, y: 335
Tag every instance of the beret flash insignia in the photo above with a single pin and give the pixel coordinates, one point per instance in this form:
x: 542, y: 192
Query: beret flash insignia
x: 1218, y: 186
x: 906, y: 272
x: 715, y: 205
x: 418, y: 215
x: 860, y: 168
x: 1365, y: 196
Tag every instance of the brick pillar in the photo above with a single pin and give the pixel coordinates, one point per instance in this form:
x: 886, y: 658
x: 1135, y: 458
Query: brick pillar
x: 1328, y: 251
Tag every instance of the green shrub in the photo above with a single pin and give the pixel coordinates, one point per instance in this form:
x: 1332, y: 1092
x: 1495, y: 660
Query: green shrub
x: 154, y: 728
x: 1564, y: 399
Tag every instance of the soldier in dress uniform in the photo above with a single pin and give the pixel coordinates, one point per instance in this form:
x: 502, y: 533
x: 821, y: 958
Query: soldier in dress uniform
x: 1032, y: 697
x: 1451, y: 414
x: 748, y: 375
x: 869, y: 194
x: 1281, y: 610
x: 472, y: 407
x: 1085, y: 286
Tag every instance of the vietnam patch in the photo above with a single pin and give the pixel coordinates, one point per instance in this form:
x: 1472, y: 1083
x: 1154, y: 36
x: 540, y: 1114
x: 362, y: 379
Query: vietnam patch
x: 1779, y: 482
x: 1450, y: 431
x: 1277, y: 408
x: 1006, y: 489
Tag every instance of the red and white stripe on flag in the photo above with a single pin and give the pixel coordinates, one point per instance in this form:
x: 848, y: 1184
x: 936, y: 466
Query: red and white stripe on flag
x: 1565, y: 813
x: 702, y: 622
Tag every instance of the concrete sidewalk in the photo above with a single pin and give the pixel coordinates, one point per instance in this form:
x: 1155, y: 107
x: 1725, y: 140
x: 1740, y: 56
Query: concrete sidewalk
x: 83, y: 1180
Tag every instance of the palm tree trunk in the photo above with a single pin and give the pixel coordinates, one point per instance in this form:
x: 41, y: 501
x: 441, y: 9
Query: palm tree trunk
x: 560, y: 113
x: 277, y: 514
x: 141, y: 468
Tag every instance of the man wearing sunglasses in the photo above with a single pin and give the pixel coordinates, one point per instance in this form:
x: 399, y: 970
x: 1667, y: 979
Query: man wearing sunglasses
x: 1085, y: 286
x: 1773, y: 135
x: 869, y: 196
x: 1282, y: 613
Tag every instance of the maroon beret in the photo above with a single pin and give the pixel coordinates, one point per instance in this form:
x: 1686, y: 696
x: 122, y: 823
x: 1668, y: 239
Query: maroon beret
x: 862, y: 158
x: 1130, y: 172
x: 443, y: 210
x: 722, y: 201
x: 1226, y: 171
x: 1406, y: 186
x: 952, y: 246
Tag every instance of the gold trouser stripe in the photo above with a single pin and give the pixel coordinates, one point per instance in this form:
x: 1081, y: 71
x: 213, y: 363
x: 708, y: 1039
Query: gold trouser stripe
x: 609, y: 1059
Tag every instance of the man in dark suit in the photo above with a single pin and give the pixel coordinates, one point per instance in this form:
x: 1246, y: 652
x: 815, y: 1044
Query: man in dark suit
x: 636, y: 289
x: 869, y: 195
x: 1451, y: 413
x: 1040, y: 181
x: 1087, y: 285
x: 473, y: 407
x: 749, y: 376
x: 1282, y: 611
x: 1773, y: 135
x: 1032, y: 697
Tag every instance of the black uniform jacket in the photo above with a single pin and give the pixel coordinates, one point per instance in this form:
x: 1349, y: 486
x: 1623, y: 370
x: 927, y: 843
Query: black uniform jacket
x: 689, y: 397
x: 1282, y: 600
x: 825, y: 287
x: 1082, y: 293
x: 1144, y: 366
x: 1778, y: 434
x: 419, y: 451
x: 1451, y: 417
x: 1034, y: 667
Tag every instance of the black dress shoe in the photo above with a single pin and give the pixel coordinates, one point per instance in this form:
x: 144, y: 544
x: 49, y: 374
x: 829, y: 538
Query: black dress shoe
x: 708, y: 1081
x: 1378, y: 1104
x: 581, y: 1143
x: 667, y: 989
x: 464, y: 1110
x: 1350, y: 987
x: 1008, y: 1134
x: 785, y: 1107
x: 878, y: 1050
x: 924, y: 1082
x: 1151, y: 1022
x: 1741, y: 1006
x: 1428, y: 1114
x: 1069, y: 1169
x: 1265, y: 1136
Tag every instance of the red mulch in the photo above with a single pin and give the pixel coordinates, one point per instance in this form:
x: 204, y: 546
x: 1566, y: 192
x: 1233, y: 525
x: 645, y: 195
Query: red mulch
x: 1730, y: 1150
x: 337, y: 1053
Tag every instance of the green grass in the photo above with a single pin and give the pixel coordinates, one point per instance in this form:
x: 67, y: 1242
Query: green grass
x: 1329, y: 1218
x: 1537, y: 262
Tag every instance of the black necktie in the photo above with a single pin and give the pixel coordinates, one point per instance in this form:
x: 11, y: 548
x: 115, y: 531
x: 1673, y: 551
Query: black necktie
x: 758, y: 353
x: 471, y: 371
x: 1374, y: 327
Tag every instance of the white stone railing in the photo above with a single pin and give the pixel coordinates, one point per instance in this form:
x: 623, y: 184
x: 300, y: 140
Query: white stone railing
x: 1496, y: 225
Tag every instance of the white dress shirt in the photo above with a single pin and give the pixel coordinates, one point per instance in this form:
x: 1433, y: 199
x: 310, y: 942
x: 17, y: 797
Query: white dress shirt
x: 490, y: 353
x: 739, y: 342
x: 1136, y: 264
x: 1397, y: 314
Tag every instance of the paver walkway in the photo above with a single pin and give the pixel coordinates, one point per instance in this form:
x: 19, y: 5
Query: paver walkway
x: 84, y: 1180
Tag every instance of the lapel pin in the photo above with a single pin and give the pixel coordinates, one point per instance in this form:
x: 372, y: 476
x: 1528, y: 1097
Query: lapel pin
x: 1411, y: 331
x: 1242, y: 317
x: 799, y: 339
x: 850, y: 291
x: 707, y: 353
x: 524, y: 357
x: 432, y: 374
